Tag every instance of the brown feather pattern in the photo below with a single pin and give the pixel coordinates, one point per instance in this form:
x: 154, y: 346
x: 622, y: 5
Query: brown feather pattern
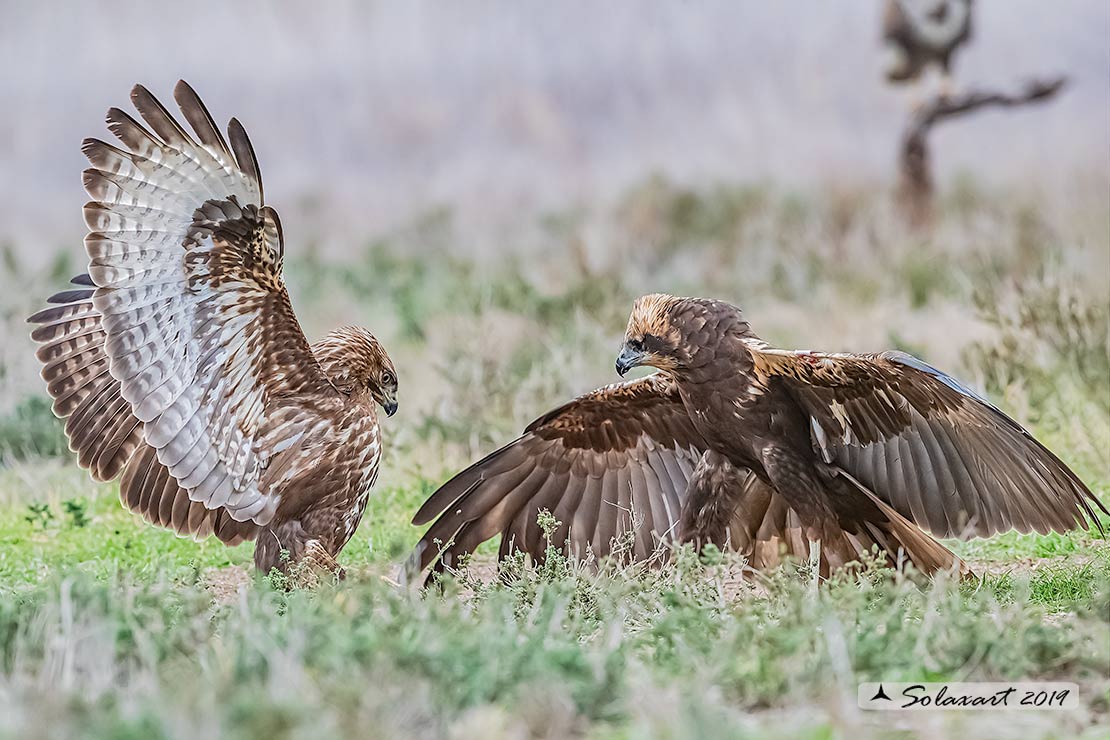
x: 759, y: 450
x: 934, y: 450
x: 179, y: 362
x: 586, y: 463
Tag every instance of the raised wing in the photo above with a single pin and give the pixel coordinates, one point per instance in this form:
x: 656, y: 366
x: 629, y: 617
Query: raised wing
x: 100, y: 426
x: 614, y: 458
x: 933, y: 449
x: 197, y: 325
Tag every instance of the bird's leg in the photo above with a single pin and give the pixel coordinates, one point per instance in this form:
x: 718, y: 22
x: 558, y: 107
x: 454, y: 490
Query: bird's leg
x: 316, y: 562
x: 326, y: 560
x: 804, y: 483
x: 814, y: 565
x: 714, y: 493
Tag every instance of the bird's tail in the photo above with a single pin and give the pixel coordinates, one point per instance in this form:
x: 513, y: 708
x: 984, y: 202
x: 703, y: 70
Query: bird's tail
x: 752, y: 518
x: 901, y: 538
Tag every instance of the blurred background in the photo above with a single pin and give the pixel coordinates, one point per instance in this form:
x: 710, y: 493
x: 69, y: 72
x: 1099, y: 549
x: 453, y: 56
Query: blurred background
x: 367, y: 112
x: 487, y: 185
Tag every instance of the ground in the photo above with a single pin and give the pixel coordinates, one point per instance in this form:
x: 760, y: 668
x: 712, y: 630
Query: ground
x: 111, y: 628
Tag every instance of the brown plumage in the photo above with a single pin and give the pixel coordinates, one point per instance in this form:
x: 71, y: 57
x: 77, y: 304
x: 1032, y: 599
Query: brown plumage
x: 179, y: 363
x: 918, y: 33
x: 760, y: 450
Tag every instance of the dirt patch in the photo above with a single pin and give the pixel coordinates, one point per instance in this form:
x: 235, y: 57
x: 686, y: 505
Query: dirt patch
x: 225, y: 583
x: 1024, y: 566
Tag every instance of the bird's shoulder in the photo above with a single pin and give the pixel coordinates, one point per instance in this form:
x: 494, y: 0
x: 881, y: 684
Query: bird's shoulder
x: 611, y: 404
x: 809, y: 365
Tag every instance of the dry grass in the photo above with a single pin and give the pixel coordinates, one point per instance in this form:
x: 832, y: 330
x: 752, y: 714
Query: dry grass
x: 110, y: 628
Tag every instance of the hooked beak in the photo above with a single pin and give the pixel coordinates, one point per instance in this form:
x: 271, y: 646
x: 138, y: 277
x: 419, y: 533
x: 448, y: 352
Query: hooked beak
x: 627, y: 360
x: 387, y: 397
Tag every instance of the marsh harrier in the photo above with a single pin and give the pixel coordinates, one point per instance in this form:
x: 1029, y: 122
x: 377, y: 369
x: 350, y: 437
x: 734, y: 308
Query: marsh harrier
x: 765, y: 451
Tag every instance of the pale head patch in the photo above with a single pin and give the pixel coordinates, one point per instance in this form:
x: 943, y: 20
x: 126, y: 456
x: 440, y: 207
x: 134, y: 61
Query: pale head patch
x: 651, y: 314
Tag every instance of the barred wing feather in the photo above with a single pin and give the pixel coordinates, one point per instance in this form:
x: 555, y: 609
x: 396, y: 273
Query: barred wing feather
x: 197, y: 325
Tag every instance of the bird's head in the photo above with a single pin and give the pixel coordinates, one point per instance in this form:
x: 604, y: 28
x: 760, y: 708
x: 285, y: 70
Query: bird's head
x: 357, y: 363
x: 678, y: 335
x: 653, y: 336
x: 383, y: 389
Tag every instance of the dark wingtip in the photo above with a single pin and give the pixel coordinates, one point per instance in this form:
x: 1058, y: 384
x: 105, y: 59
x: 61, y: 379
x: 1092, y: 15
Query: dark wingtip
x: 457, y: 487
x: 1092, y: 514
x: 245, y: 156
x: 116, y: 113
x: 139, y: 91
x: 435, y: 505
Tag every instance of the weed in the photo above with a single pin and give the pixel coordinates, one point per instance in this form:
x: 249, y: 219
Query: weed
x: 106, y: 629
x: 31, y: 430
x: 77, y: 511
x: 39, y: 515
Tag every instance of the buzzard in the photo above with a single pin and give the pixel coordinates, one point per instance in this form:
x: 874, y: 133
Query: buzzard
x: 177, y: 361
x: 918, y: 33
x: 765, y: 451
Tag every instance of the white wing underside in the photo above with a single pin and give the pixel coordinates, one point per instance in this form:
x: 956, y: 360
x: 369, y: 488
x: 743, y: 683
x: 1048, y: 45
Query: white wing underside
x: 179, y: 322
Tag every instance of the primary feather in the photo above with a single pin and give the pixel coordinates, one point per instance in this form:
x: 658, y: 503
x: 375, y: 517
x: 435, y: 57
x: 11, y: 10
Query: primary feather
x: 183, y: 366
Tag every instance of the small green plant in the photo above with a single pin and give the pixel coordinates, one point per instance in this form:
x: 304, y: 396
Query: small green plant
x: 77, y: 510
x: 39, y: 515
x: 280, y: 579
x: 1047, y: 333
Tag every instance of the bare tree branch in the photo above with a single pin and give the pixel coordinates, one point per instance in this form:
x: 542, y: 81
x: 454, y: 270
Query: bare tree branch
x: 916, y: 188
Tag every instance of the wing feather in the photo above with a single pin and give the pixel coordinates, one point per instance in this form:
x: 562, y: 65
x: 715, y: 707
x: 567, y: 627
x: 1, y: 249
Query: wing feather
x: 187, y: 264
x: 180, y: 349
x: 932, y: 448
x: 619, y: 455
x: 606, y: 528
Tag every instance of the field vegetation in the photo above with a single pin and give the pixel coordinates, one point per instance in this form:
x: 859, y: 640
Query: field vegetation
x: 110, y: 628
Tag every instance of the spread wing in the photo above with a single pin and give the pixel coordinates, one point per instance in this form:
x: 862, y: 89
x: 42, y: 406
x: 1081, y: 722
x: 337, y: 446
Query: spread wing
x: 102, y: 430
x: 99, y: 424
x: 617, y: 457
x: 933, y: 449
x: 190, y: 310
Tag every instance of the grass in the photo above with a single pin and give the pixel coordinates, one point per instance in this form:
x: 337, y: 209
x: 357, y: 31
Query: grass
x: 111, y: 628
x: 628, y: 652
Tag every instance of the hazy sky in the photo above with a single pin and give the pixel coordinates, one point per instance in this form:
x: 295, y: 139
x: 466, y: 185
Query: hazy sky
x: 374, y: 111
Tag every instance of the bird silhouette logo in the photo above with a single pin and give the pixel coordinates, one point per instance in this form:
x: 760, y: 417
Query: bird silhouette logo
x: 881, y: 694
